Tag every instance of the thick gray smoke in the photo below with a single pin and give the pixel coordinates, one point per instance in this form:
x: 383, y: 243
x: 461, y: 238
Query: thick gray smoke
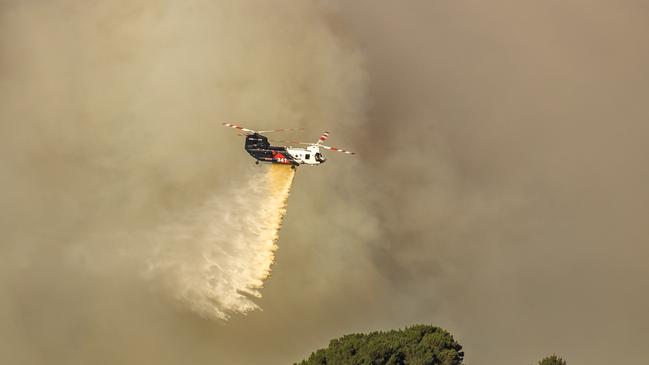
x: 499, y: 190
x: 110, y: 128
x: 509, y: 160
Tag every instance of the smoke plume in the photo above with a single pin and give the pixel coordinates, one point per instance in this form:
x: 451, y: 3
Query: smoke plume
x: 499, y: 190
x: 117, y: 177
x: 217, y: 258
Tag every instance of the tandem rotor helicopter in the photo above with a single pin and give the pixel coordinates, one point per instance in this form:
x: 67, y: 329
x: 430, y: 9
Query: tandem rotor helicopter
x: 258, y: 146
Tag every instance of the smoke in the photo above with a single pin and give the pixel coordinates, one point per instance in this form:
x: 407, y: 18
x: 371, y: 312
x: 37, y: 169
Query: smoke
x: 116, y: 176
x: 510, y: 179
x: 499, y: 188
x: 216, y: 259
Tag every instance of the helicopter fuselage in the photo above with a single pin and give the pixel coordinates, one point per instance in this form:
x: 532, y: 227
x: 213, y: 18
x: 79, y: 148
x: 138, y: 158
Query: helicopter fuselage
x: 261, y: 150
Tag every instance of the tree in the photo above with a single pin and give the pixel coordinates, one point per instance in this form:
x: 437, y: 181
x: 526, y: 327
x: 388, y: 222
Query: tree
x: 416, y: 345
x: 552, y: 360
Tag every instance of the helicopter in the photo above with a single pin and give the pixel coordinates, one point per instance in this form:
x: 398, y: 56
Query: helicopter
x: 260, y: 148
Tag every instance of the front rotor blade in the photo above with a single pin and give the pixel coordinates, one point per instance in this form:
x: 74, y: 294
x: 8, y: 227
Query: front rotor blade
x: 337, y: 149
x: 323, y: 137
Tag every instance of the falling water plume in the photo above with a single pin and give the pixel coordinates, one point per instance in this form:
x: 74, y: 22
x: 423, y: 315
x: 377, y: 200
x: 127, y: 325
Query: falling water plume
x: 216, y: 260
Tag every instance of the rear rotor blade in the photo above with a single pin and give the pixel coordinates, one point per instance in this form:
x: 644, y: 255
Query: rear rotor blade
x: 238, y: 127
x: 281, y: 130
x: 285, y: 141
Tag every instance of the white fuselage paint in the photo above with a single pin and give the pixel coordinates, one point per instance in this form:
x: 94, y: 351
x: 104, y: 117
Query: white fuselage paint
x: 306, y: 156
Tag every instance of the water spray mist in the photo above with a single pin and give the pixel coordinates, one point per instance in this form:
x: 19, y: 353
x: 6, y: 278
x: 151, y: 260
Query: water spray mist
x: 217, y: 259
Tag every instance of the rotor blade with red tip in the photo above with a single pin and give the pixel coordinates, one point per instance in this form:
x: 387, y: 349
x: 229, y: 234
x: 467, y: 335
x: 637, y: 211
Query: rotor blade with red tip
x: 323, y: 137
x: 337, y: 149
x: 238, y: 127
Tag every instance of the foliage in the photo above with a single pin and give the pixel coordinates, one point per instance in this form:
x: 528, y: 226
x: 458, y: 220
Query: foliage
x: 552, y: 360
x: 417, y: 345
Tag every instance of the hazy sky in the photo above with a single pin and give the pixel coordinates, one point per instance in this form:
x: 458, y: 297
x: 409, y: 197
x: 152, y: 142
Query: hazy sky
x: 499, y: 191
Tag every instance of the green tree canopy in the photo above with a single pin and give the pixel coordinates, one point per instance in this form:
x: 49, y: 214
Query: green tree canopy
x: 417, y: 345
x: 552, y: 360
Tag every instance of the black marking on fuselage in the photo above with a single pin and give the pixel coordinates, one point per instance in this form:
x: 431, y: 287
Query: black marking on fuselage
x: 260, y: 149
